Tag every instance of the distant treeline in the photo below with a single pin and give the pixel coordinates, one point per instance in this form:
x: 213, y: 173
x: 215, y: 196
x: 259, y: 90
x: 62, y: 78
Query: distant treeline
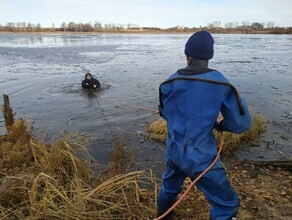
x: 214, y: 27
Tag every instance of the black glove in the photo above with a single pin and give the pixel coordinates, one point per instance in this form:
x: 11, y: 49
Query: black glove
x: 218, y: 126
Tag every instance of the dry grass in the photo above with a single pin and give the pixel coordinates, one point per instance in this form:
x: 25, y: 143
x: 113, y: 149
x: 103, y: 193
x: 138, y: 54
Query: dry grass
x: 158, y: 132
x: 234, y: 141
x: 120, y: 161
x: 15, y: 149
x: 55, y: 181
x: 265, y: 193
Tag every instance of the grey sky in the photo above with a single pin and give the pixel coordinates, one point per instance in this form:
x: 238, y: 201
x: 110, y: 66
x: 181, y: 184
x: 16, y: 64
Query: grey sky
x: 167, y: 13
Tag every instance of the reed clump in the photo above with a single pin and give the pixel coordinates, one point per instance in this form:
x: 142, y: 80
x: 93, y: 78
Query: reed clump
x: 158, y: 132
x: 56, y: 181
x: 15, y: 150
x: 235, y: 141
x: 120, y: 161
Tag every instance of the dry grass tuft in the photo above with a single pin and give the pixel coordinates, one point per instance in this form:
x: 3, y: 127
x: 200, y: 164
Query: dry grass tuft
x: 158, y: 132
x: 15, y: 150
x: 55, y: 181
x: 120, y: 160
x: 235, y: 141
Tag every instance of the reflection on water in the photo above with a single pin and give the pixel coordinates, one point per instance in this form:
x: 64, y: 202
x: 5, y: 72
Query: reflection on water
x: 265, y: 42
x: 45, y: 40
x: 61, y: 40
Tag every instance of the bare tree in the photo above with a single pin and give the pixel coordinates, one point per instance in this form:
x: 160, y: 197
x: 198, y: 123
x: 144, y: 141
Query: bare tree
x: 79, y: 27
x: 24, y: 25
x: 29, y: 26
x: 72, y: 26
x: 111, y: 26
x: 87, y: 27
x: 10, y: 26
x: 245, y: 24
x: 53, y: 27
x: 229, y: 25
x: 129, y: 25
x: 18, y: 25
x: 210, y: 25
x: 38, y: 27
x: 270, y: 24
x: 217, y: 24
x: 257, y: 25
x: 64, y: 26
x: 97, y: 25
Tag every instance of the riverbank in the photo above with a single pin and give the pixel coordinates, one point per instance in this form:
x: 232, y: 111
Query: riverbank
x: 57, y: 180
x: 160, y: 31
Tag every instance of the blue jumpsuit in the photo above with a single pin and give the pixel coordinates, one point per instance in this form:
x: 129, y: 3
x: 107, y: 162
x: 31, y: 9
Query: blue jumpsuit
x: 190, y: 104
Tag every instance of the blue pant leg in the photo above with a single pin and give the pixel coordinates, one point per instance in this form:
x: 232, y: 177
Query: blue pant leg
x: 172, y: 185
x: 219, y: 192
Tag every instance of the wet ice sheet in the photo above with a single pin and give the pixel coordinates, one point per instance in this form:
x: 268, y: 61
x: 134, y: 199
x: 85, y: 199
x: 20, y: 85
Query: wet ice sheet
x: 42, y: 76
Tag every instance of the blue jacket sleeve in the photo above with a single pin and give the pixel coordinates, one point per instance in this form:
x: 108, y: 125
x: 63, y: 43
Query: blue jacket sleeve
x: 233, y: 121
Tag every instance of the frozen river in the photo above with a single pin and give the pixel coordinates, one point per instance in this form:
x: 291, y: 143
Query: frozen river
x: 42, y: 76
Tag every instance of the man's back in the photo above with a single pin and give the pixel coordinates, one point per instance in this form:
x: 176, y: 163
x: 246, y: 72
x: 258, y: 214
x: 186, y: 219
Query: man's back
x: 191, y: 106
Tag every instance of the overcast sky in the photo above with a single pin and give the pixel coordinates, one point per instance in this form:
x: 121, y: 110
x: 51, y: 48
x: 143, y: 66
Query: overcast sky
x: 158, y: 13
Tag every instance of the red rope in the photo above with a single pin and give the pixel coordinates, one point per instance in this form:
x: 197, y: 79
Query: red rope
x: 194, y: 182
x: 140, y: 107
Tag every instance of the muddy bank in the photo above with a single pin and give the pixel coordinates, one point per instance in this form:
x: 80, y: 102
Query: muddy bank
x: 55, y: 170
x: 42, y: 76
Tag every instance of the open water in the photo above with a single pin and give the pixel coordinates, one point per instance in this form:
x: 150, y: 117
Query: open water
x: 42, y: 75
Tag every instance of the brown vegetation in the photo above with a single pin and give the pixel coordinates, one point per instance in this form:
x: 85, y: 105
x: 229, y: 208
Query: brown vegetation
x: 158, y: 132
x: 56, y: 181
x: 97, y: 27
x: 41, y: 181
x: 7, y: 112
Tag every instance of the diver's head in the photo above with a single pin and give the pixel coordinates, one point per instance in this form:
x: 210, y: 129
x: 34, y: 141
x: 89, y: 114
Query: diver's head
x: 88, y: 76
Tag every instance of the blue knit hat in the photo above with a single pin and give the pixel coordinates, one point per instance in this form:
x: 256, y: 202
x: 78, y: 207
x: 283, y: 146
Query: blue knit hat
x: 200, y: 46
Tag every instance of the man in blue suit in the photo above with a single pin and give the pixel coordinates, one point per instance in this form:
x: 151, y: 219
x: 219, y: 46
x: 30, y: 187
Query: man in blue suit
x: 190, y: 101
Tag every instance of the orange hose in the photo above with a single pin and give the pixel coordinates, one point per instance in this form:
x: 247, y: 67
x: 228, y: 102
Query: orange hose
x: 194, y: 182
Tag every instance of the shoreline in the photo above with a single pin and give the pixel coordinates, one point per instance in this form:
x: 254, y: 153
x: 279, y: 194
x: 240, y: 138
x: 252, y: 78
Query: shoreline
x: 287, y: 31
x: 264, y: 191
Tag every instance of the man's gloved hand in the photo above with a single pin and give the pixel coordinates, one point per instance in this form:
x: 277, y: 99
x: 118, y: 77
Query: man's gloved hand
x: 218, y: 126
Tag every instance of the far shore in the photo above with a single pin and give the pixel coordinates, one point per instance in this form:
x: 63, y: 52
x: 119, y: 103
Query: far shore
x: 143, y: 31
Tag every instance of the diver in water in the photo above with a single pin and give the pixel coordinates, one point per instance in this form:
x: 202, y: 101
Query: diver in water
x: 90, y: 82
